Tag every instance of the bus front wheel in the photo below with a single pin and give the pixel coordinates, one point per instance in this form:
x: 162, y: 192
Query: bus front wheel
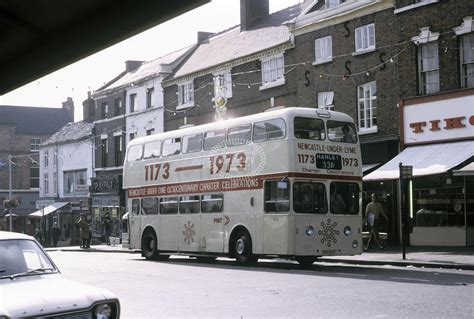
x: 149, y: 245
x: 306, y: 261
x: 243, y: 248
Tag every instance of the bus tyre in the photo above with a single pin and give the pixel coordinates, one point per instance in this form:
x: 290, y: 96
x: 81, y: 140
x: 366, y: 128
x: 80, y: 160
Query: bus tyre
x: 243, y: 249
x: 149, y: 245
x: 306, y: 261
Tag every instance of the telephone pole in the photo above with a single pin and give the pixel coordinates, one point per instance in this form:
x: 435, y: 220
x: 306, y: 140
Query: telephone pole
x: 10, y: 189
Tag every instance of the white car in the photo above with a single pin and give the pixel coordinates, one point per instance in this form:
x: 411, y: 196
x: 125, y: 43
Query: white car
x: 32, y: 286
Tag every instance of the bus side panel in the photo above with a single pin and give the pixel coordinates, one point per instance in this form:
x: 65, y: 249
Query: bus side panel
x: 212, y: 232
x: 168, y: 232
x: 278, y: 238
x: 135, y: 231
x: 189, y: 169
x: 189, y: 232
x: 237, y: 212
x: 256, y: 210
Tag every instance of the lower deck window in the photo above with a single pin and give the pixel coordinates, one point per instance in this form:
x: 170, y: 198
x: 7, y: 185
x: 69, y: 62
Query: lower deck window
x: 277, y: 196
x: 309, y: 198
x: 189, y: 204
x: 168, y: 205
x: 212, y: 203
x: 150, y: 206
x: 344, y: 198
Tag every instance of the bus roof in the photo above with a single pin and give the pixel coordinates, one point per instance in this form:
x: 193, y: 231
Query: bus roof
x: 283, y: 112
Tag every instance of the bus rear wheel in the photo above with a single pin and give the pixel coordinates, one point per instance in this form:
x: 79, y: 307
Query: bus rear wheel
x: 149, y: 245
x: 243, y: 249
x: 306, y: 261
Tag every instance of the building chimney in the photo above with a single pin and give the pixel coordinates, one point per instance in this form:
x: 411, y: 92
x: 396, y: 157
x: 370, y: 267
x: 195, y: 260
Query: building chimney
x: 132, y: 65
x: 88, y: 108
x: 201, y: 36
x: 69, y: 106
x: 251, y: 11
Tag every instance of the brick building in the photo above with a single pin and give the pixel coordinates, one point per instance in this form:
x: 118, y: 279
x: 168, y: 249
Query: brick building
x: 436, y: 80
x: 22, y: 130
x: 248, y: 60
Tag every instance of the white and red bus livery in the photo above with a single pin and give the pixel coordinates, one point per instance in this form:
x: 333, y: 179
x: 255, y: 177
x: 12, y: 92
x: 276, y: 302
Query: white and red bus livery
x: 285, y: 182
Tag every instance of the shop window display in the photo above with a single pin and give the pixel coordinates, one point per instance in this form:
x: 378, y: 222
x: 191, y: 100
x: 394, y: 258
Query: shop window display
x: 442, y: 201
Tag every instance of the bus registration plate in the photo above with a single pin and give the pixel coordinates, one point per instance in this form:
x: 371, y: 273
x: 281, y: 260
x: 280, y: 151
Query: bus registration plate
x: 328, y: 161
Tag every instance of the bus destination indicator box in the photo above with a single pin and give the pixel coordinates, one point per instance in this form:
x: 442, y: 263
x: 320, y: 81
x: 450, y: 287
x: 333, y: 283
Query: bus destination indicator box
x: 328, y: 161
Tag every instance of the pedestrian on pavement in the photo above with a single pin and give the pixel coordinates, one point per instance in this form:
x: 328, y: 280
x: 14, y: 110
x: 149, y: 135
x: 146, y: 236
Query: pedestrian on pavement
x: 85, y: 232
x: 38, y: 234
x: 55, y: 233
x: 373, y: 211
x: 107, y: 229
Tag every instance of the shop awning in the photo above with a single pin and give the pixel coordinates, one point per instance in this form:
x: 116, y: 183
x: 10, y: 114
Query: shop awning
x: 368, y: 167
x: 465, y: 171
x: 49, y: 209
x: 425, y: 159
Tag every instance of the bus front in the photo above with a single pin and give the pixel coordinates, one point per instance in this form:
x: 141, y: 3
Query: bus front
x: 326, y: 174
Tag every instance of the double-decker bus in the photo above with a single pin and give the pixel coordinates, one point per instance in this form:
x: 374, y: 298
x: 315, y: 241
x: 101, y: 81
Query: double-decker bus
x: 284, y: 183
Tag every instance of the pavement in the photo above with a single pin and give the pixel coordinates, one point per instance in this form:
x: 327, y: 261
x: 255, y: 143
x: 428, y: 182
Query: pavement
x: 427, y: 257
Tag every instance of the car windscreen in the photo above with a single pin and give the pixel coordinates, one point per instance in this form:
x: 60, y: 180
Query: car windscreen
x: 22, y: 256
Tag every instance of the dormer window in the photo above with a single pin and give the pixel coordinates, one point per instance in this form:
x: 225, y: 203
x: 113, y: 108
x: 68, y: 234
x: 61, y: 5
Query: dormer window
x: 333, y: 3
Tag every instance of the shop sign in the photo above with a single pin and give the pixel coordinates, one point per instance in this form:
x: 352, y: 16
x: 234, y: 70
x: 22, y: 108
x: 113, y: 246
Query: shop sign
x: 105, y: 185
x: 80, y: 188
x: 406, y: 172
x: 40, y: 203
x: 446, y: 119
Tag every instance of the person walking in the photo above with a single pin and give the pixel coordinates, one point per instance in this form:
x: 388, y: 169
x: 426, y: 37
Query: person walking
x: 107, y: 229
x: 85, y: 231
x: 55, y: 233
x: 373, y: 211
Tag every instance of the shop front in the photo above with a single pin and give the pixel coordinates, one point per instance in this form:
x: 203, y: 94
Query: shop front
x: 437, y: 134
x: 107, y: 201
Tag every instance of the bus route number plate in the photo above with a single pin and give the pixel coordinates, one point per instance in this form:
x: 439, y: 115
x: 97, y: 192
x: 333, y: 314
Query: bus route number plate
x: 328, y: 161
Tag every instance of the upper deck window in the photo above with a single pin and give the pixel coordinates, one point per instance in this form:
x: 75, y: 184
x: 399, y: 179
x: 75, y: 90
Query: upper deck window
x: 192, y: 143
x: 171, y: 146
x: 341, y: 132
x: 269, y: 130
x: 134, y: 153
x: 152, y: 149
x: 239, y: 135
x: 214, y: 139
x: 309, y: 128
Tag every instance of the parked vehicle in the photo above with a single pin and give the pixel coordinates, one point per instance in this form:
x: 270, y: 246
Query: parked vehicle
x: 32, y: 286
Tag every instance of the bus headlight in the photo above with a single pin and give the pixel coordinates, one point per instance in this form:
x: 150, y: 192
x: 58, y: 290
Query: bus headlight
x: 310, y: 231
x: 347, y: 231
x: 103, y: 311
x: 355, y: 244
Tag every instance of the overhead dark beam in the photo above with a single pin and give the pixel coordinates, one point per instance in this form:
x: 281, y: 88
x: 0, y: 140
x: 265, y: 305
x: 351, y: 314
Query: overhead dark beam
x: 106, y: 26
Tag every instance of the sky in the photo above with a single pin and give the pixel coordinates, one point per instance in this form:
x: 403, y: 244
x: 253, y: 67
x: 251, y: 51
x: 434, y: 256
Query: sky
x: 92, y: 72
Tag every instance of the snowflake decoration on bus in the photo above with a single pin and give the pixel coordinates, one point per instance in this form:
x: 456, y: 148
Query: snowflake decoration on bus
x: 329, y: 232
x: 188, y: 233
